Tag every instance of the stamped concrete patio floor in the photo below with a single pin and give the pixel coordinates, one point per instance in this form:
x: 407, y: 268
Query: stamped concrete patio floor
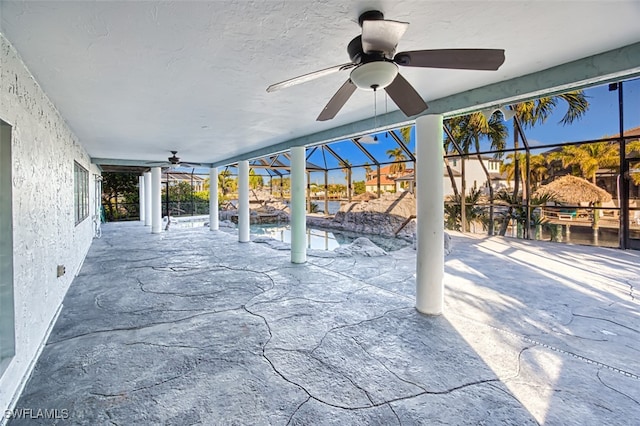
x: 192, y: 327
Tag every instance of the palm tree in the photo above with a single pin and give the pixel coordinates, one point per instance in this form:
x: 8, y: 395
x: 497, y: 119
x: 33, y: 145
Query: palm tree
x: 509, y: 167
x: 405, y: 132
x: 224, y: 181
x: 634, y: 146
x: 368, y: 171
x: 470, y: 129
x: 453, y: 211
x: 346, y: 169
x: 255, y: 180
x: 538, y: 169
x: 397, y: 155
x: 587, y: 159
x: 536, y: 111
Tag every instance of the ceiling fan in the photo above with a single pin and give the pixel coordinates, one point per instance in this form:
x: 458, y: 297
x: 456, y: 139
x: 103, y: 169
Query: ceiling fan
x: 173, y: 161
x: 374, y: 65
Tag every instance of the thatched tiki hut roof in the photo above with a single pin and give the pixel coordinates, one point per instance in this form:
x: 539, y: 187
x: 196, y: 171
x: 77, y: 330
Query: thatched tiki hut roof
x: 574, y: 190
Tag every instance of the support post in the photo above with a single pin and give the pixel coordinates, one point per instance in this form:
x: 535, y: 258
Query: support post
x: 213, y: 199
x: 378, y: 180
x: 298, y: 211
x: 430, y: 215
x: 243, y: 202
x: 156, y: 201
x: 349, y: 189
x: 623, y: 187
x: 308, y: 187
x: 147, y: 198
x: 141, y: 197
x: 326, y: 193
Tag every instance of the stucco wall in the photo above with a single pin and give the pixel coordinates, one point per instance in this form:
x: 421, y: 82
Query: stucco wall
x: 44, y: 232
x: 474, y: 173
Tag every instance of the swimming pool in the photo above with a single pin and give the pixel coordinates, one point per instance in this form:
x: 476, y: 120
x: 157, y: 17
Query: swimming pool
x: 317, y: 238
x: 325, y: 239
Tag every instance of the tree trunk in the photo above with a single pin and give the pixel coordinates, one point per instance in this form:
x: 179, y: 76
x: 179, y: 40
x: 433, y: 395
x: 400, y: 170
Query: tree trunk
x: 516, y: 180
x: 516, y: 164
x: 486, y: 172
x: 505, y: 222
x: 454, y: 186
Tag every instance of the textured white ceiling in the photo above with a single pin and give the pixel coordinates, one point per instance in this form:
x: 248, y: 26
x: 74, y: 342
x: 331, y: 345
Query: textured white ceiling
x: 136, y: 79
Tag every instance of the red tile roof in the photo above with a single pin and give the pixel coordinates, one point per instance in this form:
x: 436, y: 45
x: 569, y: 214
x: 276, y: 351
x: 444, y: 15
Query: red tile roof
x: 629, y: 133
x: 385, y: 178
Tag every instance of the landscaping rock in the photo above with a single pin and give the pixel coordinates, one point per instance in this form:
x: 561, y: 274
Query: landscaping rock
x: 360, y: 247
x: 382, y: 216
x: 226, y: 224
x: 273, y: 243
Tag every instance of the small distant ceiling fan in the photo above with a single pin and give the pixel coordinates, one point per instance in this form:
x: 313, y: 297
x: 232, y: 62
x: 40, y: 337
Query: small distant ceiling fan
x: 374, y: 65
x: 173, y: 161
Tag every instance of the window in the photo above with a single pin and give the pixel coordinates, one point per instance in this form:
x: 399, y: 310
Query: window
x: 7, y: 332
x: 81, y: 192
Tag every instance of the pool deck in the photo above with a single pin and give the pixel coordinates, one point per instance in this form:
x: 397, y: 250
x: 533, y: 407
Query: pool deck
x: 192, y: 327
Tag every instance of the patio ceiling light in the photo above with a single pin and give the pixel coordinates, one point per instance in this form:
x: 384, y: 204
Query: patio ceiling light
x: 507, y: 113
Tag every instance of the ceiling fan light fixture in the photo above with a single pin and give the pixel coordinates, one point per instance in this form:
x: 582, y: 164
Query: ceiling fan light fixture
x: 374, y: 75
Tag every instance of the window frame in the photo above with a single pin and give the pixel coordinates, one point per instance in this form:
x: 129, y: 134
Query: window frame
x: 7, y: 316
x: 80, y: 192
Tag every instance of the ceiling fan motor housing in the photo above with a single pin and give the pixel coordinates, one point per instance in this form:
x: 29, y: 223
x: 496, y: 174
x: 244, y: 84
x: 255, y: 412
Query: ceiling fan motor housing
x: 370, y: 15
x: 174, y: 159
x: 354, y: 49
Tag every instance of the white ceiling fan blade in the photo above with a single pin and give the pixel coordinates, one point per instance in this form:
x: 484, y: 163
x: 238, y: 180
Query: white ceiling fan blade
x: 308, y: 77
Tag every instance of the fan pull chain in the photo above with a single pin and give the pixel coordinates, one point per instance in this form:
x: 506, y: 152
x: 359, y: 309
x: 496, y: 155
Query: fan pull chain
x: 375, y: 109
x: 386, y: 98
x: 375, y: 114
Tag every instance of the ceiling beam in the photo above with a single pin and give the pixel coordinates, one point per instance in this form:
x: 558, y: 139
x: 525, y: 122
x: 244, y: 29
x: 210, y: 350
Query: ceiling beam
x: 605, y: 67
x: 138, y: 163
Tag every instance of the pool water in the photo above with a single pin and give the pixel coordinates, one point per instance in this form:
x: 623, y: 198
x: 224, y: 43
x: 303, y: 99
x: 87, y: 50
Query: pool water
x: 324, y: 239
x: 317, y: 238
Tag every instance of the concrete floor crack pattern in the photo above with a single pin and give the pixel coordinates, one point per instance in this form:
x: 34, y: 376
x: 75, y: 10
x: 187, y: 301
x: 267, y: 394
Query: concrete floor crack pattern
x: 555, y: 349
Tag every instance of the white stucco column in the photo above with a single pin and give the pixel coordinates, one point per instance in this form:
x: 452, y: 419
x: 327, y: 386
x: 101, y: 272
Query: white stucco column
x: 156, y: 201
x: 298, y: 205
x: 213, y: 199
x: 243, y: 201
x: 141, y: 197
x: 147, y: 199
x: 430, y: 215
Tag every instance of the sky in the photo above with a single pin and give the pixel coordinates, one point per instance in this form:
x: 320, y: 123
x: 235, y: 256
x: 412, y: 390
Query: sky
x: 600, y: 120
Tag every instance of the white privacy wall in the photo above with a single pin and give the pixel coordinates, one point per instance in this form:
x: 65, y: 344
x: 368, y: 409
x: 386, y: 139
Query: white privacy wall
x: 44, y: 231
